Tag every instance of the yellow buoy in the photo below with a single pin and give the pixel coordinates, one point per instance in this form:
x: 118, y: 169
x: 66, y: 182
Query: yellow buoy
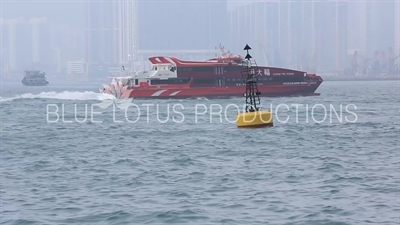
x: 255, y: 119
x: 253, y: 116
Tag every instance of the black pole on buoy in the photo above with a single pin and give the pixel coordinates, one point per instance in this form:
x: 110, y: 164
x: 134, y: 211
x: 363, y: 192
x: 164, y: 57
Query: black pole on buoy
x: 248, y: 73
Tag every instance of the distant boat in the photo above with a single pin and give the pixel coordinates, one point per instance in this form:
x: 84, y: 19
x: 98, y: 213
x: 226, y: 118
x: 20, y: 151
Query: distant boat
x: 34, y: 78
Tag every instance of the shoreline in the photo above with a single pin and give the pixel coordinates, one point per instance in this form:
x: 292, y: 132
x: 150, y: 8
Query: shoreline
x: 340, y: 78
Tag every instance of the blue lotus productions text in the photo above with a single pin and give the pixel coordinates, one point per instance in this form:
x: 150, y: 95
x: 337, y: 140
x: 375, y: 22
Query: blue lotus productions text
x: 198, y: 113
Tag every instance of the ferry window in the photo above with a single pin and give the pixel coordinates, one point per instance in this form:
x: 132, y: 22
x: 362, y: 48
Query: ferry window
x: 203, y: 69
x: 204, y: 81
x: 170, y: 81
x: 182, y: 69
x: 136, y: 82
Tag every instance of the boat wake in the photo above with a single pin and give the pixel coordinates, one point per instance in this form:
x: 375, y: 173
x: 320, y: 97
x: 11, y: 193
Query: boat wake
x: 65, y: 95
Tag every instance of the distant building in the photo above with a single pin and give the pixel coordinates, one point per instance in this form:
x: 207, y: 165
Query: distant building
x: 42, y: 43
x: 57, y: 60
x: 17, y: 43
x: 102, y: 30
x: 27, y: 44
x: 295, y: 34
x: 101, y: 36
x: 357, y: 26
x: 331, y: 27
x: 111, y: 36
x: 182, y: 25
x: 77, y: 70
x: 383, y: 20
x: 397, y: 28
x: 372, y: 26
x: 116, y: 31
x: 68, y: 45
x: 129, y: 31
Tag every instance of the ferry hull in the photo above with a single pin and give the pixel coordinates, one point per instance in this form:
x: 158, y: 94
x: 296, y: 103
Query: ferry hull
x: 215, y: 92
x: 35, y: 84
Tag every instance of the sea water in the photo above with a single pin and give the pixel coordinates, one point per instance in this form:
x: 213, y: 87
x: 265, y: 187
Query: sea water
x: 70, y: 155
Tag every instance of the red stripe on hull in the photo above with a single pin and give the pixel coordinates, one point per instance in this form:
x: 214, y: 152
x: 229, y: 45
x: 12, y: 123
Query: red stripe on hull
x: 266, y: 91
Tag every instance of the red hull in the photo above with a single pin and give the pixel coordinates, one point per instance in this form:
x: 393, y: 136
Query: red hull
x: 270, y: 90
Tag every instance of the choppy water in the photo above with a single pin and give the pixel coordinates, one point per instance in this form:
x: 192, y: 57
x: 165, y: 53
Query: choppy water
x: 197, y: 172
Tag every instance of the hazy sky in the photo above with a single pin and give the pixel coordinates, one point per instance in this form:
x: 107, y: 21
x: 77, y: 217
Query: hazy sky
x: 59, y: 11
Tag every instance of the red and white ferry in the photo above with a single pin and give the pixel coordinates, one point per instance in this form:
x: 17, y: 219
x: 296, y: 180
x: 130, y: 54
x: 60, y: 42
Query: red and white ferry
x: 171, y: 77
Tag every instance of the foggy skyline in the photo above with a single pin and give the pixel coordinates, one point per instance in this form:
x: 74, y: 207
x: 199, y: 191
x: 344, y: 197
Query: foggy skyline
x: 300, y: 35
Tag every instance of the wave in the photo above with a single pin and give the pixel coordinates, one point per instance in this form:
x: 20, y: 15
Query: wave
x: 65, y: 95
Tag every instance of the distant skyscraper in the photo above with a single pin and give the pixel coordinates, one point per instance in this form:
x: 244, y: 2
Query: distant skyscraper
x: 183, y: 24
x: 102, y: 31
x: 331, y: 27
x: 397, y: 27
x: 299, y: 34
x: 256, y: 24
x: 357, y: 26
x: 42, y: 42
x: 382, y: 20
x: 111, y: 35
x: 341, y: 35
x: 69, y: 44
x: 19, y: 44
x: 4, y: 48
x: 128, y: 32
x: 12, y: 27
x: 233, y: 27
